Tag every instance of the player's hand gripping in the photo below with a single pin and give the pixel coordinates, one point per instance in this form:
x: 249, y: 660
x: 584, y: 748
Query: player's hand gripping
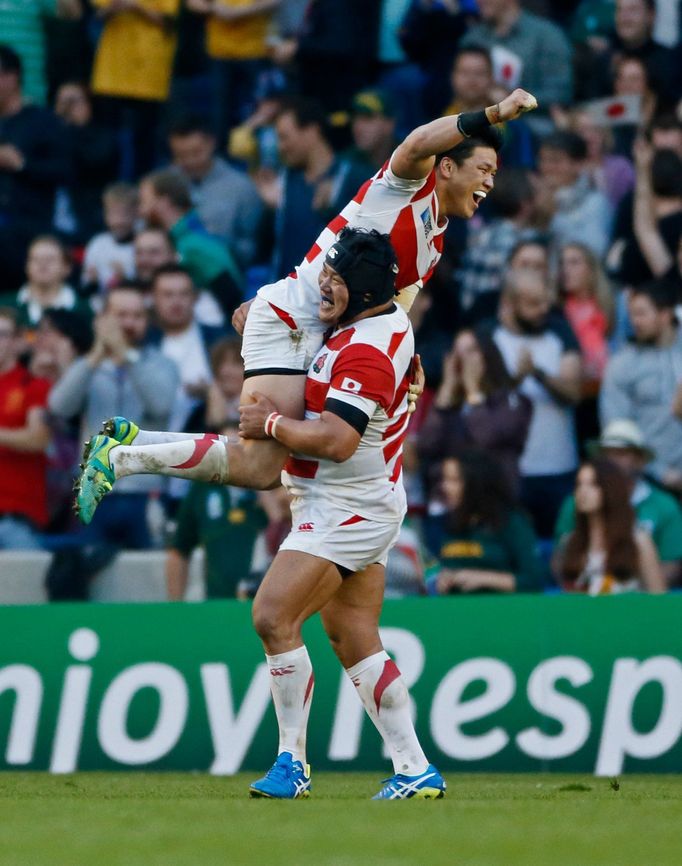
x: 416, y: 389
x: 252, y: 417
x: 239, y: 317
x: 517, y: 103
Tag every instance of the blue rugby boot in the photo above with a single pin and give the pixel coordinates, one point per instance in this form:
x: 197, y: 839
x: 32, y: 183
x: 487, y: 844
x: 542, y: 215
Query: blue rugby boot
x: 430, y: 785
x: 285, y: 780
x: 96, y: 478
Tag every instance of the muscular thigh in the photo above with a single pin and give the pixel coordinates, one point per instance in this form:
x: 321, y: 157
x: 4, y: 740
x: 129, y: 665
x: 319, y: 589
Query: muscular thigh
x: 296, y: 586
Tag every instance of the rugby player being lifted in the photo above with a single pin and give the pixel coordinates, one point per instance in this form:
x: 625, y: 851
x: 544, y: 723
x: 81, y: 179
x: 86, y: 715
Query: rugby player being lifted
x: 444, y: 168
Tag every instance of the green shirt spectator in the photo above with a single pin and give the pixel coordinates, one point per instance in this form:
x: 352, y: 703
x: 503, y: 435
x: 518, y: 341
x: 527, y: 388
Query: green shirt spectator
x: 511, y: 549
x: 226, y: 522
x: 165, y: 201
x: 657, y: 512
x: 488, y: 543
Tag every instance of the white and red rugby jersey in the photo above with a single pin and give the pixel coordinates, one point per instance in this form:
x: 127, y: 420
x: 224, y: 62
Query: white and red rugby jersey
x: 407, y: 210
x: 362, y: 373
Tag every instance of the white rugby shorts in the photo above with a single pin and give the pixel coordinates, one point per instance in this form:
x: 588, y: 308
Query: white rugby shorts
x: 275, y: 342
x: 336, y: 534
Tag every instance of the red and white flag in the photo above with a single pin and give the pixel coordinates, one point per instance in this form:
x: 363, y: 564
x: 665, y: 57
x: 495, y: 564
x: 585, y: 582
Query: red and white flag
x: 614, y: 110
x: 351, y: 385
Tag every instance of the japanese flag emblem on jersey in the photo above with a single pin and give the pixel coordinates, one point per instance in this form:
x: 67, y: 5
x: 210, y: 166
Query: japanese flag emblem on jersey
x: 351, y: 385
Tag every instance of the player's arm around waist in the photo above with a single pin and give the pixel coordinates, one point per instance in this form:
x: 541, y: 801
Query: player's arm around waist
x: 328, y: 437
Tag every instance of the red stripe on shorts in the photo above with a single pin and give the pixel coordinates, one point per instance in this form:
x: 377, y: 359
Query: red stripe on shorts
x: 285, y: 317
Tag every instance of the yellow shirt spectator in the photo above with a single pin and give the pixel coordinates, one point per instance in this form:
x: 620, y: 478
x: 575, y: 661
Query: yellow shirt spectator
x: 242, y: 39
x: 135, y: 52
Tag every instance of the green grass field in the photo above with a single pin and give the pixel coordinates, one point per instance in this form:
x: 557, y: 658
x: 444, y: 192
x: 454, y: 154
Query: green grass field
x: 109, y: 819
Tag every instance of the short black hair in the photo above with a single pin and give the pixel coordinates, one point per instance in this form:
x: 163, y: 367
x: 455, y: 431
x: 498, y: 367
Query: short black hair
x: 72, y: 324
x: 189, y: 124
x: 10, y: 61
x: 307, y: 112
x: 663, y: 293
x: 490, y: 137
x: 172, y: 269
x: 570, y: 143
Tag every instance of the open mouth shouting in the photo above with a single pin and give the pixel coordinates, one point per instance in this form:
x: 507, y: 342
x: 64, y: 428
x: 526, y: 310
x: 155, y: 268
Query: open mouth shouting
x: 478, y: 196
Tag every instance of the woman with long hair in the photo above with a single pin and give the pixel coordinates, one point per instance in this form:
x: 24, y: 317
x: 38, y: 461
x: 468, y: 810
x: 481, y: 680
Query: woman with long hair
x: 606, y: 553
x: 587, y: 301
x: 476, y: 405
x: 488, y: 544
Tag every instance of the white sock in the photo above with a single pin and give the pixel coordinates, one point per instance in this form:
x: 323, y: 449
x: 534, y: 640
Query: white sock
x: 161, y: 437
x: 291, y: 684
x: 384, y: 694
x: 203, y: 459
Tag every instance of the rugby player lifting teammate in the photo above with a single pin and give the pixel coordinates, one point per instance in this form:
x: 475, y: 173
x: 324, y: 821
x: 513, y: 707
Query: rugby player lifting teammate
x: 444, y: 168
x: 348, y: 502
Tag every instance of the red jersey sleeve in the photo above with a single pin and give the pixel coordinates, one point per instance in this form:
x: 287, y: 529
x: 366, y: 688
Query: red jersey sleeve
x: 36, y: 393
x: 364, y: 371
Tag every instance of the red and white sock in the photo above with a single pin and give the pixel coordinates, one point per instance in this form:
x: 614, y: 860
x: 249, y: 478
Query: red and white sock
x: 161, y: 437
x: 291, y: 684
x: 384, y: 694
x: 203, y: 459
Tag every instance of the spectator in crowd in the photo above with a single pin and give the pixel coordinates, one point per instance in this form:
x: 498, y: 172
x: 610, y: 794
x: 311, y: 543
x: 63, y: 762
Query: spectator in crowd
x: 608, y: 172
x: 109, y: 256
x: 488, y: 544
x: 165, y: 202
x: 24, y: 438
x: 34, y: 160
x: 120, y: 375
x: 473, y: 87
x: 315, y: 184
x: 527, y: 51
x: 567, y: 205
x: 543, y: 356
x: 430, y: 34
x: 224, y: 391
x: 132, y: 72
x: 152, y: 249
x: 405, y: 568
x: 606, y: 553
x: 47, y: 269
x: 94, y: 159
x: 643, y: 380
x: 22, y: 28
x: 373, y: 130
x: 224, y: 521
x: 657, y: 215
x: 331, y: 40
x: 254, y: 142
x: 656, y: 511
x: 632, y: 79
x: 587, y: 302
x: 236, y: 43
x: 61, y: 338
x: 225, y: 199
x: 485, y: 258
x: 531, y: 255
x: 181, y: 338
x: 634, y: 22
x: 476, y: 406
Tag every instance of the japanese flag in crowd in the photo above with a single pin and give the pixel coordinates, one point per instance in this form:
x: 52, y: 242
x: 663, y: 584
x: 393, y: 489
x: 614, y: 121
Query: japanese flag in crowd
x: 350, y: 385
x: 507, y: 67
x: 614, y: 110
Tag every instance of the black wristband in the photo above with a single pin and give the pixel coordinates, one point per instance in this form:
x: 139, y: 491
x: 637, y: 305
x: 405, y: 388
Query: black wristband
x: 472, y: 123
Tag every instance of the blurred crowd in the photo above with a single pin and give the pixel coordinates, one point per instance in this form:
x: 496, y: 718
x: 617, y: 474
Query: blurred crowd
x: 160, y: 160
